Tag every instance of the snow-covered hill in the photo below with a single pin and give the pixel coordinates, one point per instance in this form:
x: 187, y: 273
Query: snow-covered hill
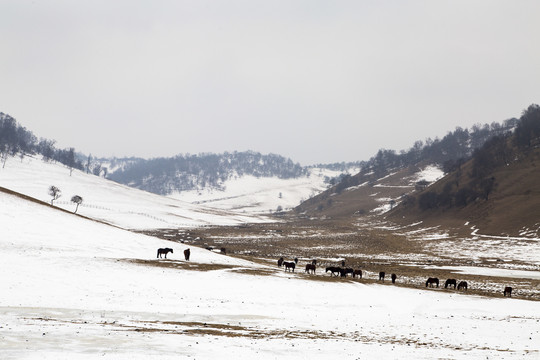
x: 109, y: 201
x: 73, y: 288
x: 259, y: 195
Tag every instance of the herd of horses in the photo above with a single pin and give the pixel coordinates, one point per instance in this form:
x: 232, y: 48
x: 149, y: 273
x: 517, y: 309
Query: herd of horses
x: 343, y: 271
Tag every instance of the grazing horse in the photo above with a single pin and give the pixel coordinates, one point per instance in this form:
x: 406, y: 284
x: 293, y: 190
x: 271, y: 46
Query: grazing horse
x: 508, y: 291
x: 381, y: 276
x: 186, y: 254
x: 310, y: 268
x: 393, y: 277
x: 164, y: 251
x: 289, y: 265
x: 333, y: 270
x: 357, y: 272
x: 462, y: 285
x: 430, y: 281
x: 280, y: 261
x: 349, y: 271
x: 450, y: 282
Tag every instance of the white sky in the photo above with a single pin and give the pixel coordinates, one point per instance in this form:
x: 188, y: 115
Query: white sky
x: 317, y: 81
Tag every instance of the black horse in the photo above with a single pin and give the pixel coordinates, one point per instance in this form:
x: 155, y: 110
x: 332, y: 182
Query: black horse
x: 450, y: 282
x: 289, y: 265
x: 280, y: 261
x: 310, y: 268
x: 508, y: 291
x: 164, y: 251
x: 381, y: 276
x: 349, y: 271
x: 186, y: 254
x: 358, y: 273
x: 334, y: 270
x: 393, y: 277
x: 430, y: 281
x: 462, y: 285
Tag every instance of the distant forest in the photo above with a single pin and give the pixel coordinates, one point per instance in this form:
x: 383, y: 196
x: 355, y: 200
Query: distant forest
x: 188, y: 172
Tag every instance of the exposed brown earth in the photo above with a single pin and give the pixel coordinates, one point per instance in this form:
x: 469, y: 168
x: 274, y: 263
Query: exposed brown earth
x: 363, y: 244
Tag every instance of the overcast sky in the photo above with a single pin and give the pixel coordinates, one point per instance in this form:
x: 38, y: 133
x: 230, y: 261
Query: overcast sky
x: 316, y: 81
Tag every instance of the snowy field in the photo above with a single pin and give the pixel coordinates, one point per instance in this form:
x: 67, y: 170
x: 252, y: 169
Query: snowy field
x: 73, y: 288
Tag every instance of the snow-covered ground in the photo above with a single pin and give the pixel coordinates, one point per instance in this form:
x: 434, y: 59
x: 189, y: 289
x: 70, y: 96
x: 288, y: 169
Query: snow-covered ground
x: 262, y: 195
x: 109, y: 201
x: 72, y: 288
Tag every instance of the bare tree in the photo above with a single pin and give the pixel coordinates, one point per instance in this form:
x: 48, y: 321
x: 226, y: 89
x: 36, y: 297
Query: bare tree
x: 77, y: 200
x: 55, y: 193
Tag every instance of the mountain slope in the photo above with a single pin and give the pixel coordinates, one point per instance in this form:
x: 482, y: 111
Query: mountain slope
x: 507, y: 205
x: 108, y: 201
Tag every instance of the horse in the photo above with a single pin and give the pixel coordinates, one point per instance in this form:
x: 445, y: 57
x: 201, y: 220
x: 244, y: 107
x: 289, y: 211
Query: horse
x: 223, y: 251
x: 186, y: 254
x: 164, y: 251
x: 342, y: 263
x: 314, y: 261
x: 289, y: 265
x: 393, y: 277
x: 357, y: 272
x: 296, y: 261
x: 430, y: 281
x: 333, y: 270
x: 450, y: 282
x: 310, y: 268
x: 381, y: 276
x: 508, y: 291
x: 462, y: 285
x: 349, y: 271
x: 280, y: 261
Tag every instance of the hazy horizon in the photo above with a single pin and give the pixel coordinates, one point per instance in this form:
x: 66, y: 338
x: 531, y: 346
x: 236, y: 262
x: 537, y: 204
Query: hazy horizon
x: 315, y: 81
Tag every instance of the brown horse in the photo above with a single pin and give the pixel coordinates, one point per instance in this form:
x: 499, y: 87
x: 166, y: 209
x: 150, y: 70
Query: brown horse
x: 462, y: 285
x: 164, y: 251
x: 358, y: 273
x: 450, y: 282
x: 310, y: 268
x: 186, y: 254
x: 430, y: 281
x: 508, y: 291
x: 393, y: 277
x: 289, y: 265
x: 381, y: 276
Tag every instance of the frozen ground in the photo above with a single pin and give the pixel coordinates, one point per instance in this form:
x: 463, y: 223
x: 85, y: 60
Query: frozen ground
x: 77, y: 289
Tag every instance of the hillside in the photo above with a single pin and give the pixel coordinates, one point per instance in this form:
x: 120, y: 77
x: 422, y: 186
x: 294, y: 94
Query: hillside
x: 391, y: 181
x: 504, y: 201
x: 108, y: 201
